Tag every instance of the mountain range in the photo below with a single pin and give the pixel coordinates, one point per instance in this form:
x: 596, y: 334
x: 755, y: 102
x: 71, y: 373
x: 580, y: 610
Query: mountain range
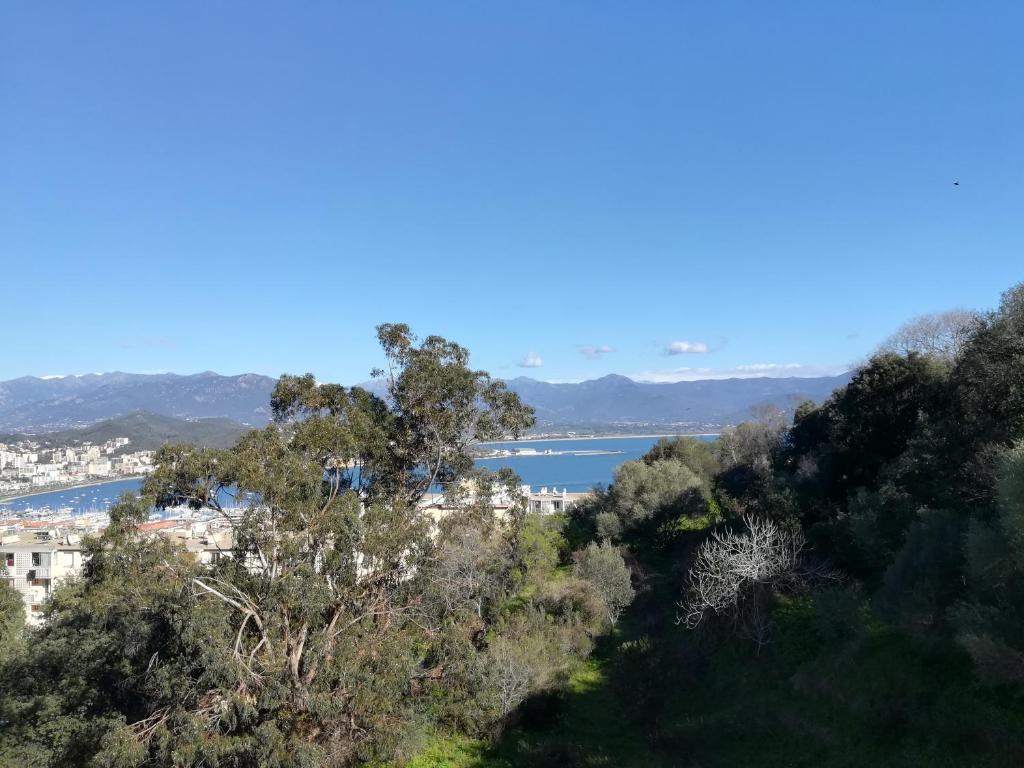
x: 35, y: 405
x: 618, y: 400
x: 47, y: 404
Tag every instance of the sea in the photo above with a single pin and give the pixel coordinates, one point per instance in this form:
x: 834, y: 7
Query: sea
x: 560, y: 470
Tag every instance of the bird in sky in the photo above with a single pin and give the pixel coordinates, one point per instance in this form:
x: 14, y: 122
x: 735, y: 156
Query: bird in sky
x: 956, y: 183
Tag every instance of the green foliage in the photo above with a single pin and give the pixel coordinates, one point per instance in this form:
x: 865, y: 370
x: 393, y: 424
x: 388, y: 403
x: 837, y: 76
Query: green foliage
x: 602, y: 566
x: 909, y: 482
x: 321, y: 640
x: 990, y: 621
x: 696, y: 454
x: 12, y: 618
x: 541, y: 545
x: 658, y: 489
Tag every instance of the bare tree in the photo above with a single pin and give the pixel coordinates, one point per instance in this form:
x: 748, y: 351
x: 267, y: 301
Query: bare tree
x: 941, y: 335
x: 736, y: 576
x: 511, y: 675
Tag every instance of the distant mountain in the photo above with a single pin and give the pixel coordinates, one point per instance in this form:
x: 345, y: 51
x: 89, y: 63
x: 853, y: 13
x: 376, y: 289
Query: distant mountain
x: 712, y: 402
x: 45, y: 405
x: 34, y: 404
x: 147, y: 432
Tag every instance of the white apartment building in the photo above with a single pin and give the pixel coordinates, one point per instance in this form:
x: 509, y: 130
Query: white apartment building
x: 35, y: 562
x: 547, y: 502
x: 98, y: 467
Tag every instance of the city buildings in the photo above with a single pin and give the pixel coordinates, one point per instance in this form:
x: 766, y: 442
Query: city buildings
x: 37, y: 556
x: 26, y: 468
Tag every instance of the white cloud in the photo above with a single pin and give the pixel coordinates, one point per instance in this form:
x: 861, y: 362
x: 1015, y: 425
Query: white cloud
x: 592, y: 352
x: 750, y: 371
x: 530, y: 361
x: 686, y: 348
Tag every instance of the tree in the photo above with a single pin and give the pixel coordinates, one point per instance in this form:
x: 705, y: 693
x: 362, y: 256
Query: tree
x: 303, y: 647
x: 736, y: 577
x: 602, y: 566
x: 988, y: 380
x: 643, y: 491
x: 696, y: 454
x: 941, y: 336
x: 990, y: 622
x: 12, y: 617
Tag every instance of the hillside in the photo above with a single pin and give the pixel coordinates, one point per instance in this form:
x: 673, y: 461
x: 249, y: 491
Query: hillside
x: 147, y: 431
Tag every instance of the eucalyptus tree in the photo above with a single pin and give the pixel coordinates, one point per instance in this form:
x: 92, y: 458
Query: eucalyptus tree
x: 309, y: 642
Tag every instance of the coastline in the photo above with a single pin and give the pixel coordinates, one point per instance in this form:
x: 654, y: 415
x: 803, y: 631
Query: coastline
x: 545, y: 438
x: 72, y: 487
x: 529, y: 439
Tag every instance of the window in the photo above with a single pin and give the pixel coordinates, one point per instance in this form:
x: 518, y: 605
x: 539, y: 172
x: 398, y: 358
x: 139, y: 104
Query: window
x: 37, y: 559
x: 8, y: 558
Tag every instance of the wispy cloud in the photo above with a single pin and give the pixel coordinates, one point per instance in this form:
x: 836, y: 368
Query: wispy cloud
x: 530, y: 361
x: 749, y: 371
x: 592, y: 352
x: 685, y: 348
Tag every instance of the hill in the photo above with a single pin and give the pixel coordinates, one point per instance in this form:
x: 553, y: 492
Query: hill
x: 147, y: 431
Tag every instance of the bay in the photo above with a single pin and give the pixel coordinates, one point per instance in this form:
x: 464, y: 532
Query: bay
x: 556, y: 470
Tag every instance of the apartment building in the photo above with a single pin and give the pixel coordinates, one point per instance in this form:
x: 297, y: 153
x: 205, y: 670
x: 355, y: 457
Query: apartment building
x: 36, y: 561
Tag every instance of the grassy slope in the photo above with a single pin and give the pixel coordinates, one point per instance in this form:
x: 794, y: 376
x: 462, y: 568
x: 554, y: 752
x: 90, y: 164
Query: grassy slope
x: 837, y: 688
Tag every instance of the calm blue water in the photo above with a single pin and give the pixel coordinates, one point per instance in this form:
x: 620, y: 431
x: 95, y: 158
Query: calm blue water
x: 575, y: 473
x: 95, y: 498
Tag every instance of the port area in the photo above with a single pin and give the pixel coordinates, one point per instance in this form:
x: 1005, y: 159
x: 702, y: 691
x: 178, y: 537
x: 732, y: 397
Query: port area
x: 529, y: 452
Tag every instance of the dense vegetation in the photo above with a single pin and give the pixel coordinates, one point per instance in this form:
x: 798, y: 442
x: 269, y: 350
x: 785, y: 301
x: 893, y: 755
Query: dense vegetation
x: 843, y: 590
x: 344, y: 626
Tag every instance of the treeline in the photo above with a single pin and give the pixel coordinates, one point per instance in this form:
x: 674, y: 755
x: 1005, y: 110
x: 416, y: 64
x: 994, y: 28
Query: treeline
x: 345, y: 625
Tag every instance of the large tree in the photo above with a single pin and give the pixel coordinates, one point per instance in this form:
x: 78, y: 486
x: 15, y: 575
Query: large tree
x: 311, y: 642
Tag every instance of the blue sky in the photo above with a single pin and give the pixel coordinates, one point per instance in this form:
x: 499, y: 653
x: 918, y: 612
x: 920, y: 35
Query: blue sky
x: 671, y: 190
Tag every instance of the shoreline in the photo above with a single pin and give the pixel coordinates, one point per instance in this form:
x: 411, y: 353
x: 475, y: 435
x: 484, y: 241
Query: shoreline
x: 72, y: 487
x: 539, y: 439
x: 600, y: 437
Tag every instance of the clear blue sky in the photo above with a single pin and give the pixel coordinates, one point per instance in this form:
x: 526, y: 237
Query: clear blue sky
x: 254, y: 186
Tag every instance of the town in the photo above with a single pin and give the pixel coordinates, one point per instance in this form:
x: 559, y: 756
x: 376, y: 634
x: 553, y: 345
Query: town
x: 38, y: 553
x: 27, y: 467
